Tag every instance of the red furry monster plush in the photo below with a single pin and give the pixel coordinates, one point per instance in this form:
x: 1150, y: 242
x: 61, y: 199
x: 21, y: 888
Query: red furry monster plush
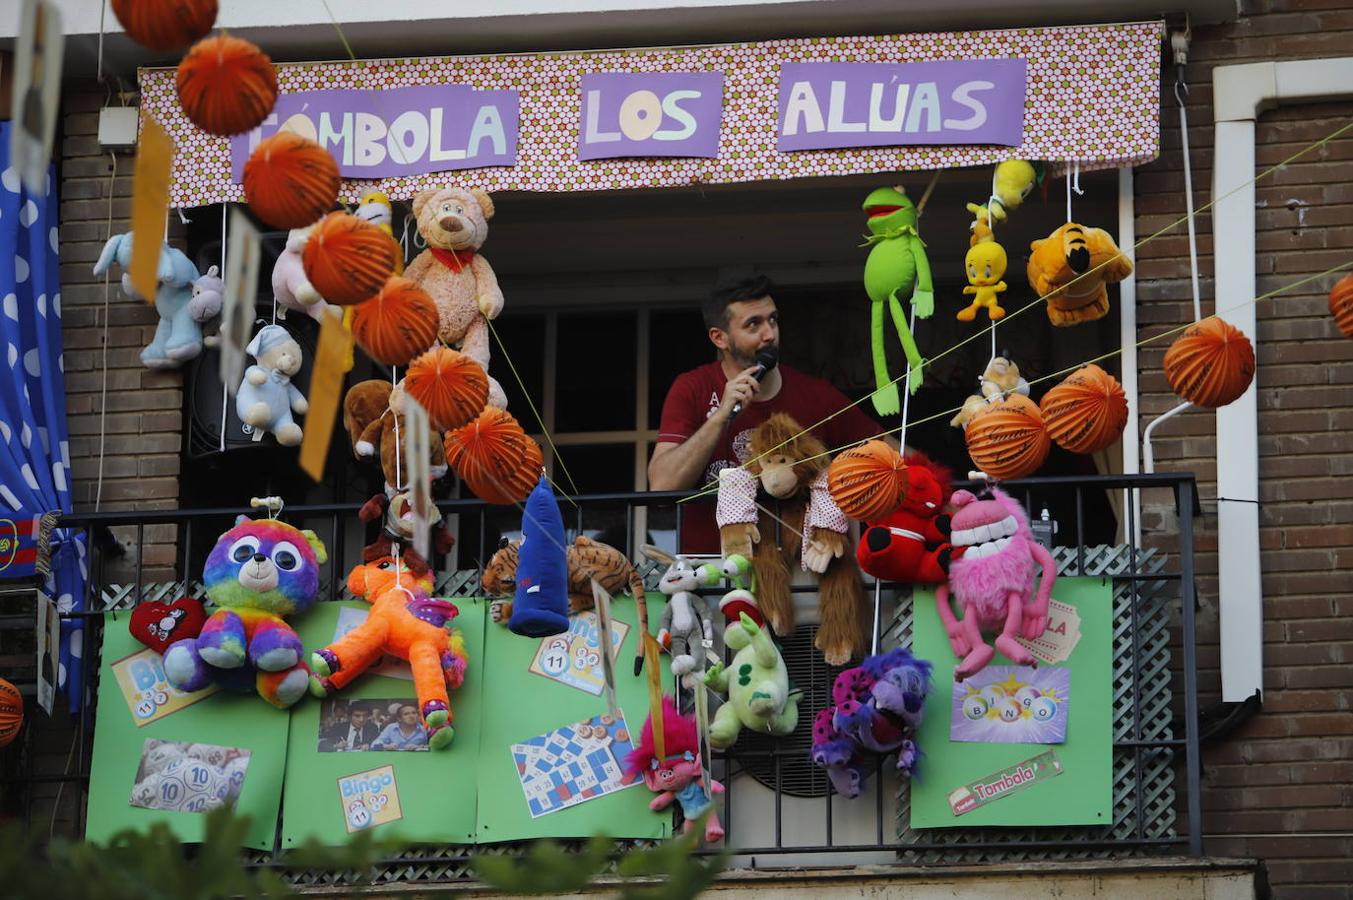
x: 911, y: 544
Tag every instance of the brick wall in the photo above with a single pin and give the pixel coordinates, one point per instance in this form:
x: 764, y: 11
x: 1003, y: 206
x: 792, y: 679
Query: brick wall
x: 139, y: 428
x: 1280, y: 788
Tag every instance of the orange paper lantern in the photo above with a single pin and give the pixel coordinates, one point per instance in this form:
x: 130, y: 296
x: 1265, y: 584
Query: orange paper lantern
x: 1087, y: 411
x: 1008, y: 439
x: 496, y: 459
x: 452, y: 387
x: 1210, y: 364
x: 290, y: 181
x: 868, y: 482
x: 1341, y: 304
x: 397, y: 324
x: 11, y: 712
x: 347, y: 259
x: 165, y: 24
x: 226, y: 85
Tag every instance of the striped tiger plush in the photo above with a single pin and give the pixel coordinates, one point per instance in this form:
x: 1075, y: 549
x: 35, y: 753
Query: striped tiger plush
x: 587, y: 559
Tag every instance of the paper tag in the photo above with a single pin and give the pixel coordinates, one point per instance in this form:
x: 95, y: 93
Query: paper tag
x: 326, y: 383
x: 369, y: 799
x: 574, y: 658
x: 49, y: 650
x: 150, y: 204
x: 244, y: 250
x: 148, y: 693
x: 603, y: 603
x: 418, y: 459
x: 1060, y: 638
x: 37, y: 90
x: 1007, y: 781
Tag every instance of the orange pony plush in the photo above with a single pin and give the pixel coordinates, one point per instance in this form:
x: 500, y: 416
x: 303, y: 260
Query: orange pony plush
x: 407, y: 622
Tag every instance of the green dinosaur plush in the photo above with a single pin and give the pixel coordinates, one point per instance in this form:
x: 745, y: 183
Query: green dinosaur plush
x: 757, y: 686
x: 897, y: 265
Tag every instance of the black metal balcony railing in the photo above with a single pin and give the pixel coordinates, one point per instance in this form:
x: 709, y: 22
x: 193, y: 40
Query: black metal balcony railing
x: 1154, y: 658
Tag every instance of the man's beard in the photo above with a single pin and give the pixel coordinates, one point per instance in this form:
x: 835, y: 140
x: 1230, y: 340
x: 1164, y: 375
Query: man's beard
x: 745, y: 360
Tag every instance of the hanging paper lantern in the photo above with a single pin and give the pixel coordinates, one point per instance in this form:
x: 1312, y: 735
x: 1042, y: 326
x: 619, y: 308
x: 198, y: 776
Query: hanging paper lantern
x: 226, y: 85
x: 290, y: 181
x: 165, y: 24
x: 1341, y: 304
x: 1008, y: 439
x: 452, y: 387
x: 397, y: 324
x: 347, y: 259
x: 868, y: 482
x: 1087, y: 411
x: 495, y: 458
x: 1210, y: 364
x: 11, y: 712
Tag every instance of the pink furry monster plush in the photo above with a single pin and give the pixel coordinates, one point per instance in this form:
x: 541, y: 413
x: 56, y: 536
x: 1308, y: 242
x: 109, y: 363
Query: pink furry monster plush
x: 993, y: 581
x: 676, y: 777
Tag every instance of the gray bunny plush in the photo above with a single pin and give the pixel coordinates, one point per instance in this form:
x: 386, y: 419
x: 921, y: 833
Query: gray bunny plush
x: 685, y: 629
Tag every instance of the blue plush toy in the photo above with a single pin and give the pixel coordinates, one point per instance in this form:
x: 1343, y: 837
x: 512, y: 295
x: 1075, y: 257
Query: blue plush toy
x: 258, y: 572
x: 267, y: 397
x: 540, y: 607
x: 178, y: 337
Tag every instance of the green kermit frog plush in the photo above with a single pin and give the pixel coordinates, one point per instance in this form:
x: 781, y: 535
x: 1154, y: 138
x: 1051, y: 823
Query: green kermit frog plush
x: 897, y: 265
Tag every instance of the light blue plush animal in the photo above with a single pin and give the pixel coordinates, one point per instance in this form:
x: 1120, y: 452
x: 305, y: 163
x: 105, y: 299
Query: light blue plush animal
x: 267, y: 398
x: 178, y: 337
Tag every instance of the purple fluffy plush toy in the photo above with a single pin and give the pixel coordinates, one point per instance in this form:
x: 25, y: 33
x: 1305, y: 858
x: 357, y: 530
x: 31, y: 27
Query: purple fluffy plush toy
x: 877, y: 709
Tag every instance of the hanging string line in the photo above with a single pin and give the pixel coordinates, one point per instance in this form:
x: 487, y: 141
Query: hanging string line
x: 1069, y: 369
x: 502, y: 349
x: 339, y: 28
x: 1338, y: 132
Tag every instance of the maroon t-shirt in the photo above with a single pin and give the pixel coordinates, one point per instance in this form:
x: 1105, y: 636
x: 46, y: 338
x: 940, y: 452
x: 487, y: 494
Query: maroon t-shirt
x: 694, y: 397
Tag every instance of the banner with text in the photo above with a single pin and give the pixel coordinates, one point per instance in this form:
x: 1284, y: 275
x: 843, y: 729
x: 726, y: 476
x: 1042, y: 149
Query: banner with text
x: 394, y: 133
x: 825, y: 106
x: 650, y: 114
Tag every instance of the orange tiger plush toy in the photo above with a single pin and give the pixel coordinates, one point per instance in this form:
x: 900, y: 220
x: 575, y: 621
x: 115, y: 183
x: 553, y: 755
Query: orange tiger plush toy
x: 405, y: 621
x: 1070, y: 268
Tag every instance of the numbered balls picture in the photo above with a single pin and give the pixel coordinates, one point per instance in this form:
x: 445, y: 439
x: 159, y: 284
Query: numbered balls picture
x: 349, y: 726
x: 186, y: 777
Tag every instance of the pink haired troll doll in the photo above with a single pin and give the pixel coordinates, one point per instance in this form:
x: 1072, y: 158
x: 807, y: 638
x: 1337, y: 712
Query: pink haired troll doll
x: 676, y: 776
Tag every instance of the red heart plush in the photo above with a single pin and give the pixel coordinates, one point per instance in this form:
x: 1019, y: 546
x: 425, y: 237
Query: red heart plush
x: 157, y: 625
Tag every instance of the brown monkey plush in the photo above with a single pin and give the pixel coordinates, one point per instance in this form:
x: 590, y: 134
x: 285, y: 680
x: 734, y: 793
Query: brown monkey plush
x: 813, y: 530
x: 373, y: 414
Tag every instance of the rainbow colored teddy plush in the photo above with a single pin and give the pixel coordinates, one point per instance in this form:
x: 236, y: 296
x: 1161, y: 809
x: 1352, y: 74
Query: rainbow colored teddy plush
x: 259, y: 572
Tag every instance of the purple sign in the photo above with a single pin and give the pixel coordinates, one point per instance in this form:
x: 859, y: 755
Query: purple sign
x: 650, y: 114
x: 389, y: 133
x: 832, y: 105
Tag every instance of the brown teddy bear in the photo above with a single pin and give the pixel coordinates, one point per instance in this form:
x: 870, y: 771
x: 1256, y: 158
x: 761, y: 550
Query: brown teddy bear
x: 373, y: 414
x: 454, y: 222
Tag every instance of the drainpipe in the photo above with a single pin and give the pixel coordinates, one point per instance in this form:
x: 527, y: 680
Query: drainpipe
x: 1240, y: 94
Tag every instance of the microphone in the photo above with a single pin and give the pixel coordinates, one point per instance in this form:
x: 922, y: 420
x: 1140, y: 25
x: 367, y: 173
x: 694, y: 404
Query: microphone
x: 767, y: 358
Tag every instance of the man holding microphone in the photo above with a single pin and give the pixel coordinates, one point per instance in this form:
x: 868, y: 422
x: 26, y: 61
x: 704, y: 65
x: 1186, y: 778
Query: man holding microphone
x: 711, y: 411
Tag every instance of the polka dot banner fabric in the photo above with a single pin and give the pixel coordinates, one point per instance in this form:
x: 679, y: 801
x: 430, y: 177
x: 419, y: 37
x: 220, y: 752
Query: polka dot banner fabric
x: 1092, y: 95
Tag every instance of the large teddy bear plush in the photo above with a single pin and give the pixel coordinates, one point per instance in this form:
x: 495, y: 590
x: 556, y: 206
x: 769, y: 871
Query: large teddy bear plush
x: 455, y: 222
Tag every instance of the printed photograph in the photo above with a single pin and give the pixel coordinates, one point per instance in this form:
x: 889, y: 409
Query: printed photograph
x: 352, y: 726
x: 1012, y: 705
x: 185, y: 777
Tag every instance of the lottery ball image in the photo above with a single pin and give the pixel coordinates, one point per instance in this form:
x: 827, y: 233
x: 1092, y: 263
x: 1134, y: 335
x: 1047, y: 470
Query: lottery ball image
x: 975, y: 708
x: 1011, y: 711
x: 1044, y: 709
x: 1027, y: 695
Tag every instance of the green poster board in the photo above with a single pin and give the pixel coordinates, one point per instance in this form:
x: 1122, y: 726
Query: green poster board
x: 222, y: 719
x: 1083, y: 793
x: 434, y: 791
x: 525, y: 704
